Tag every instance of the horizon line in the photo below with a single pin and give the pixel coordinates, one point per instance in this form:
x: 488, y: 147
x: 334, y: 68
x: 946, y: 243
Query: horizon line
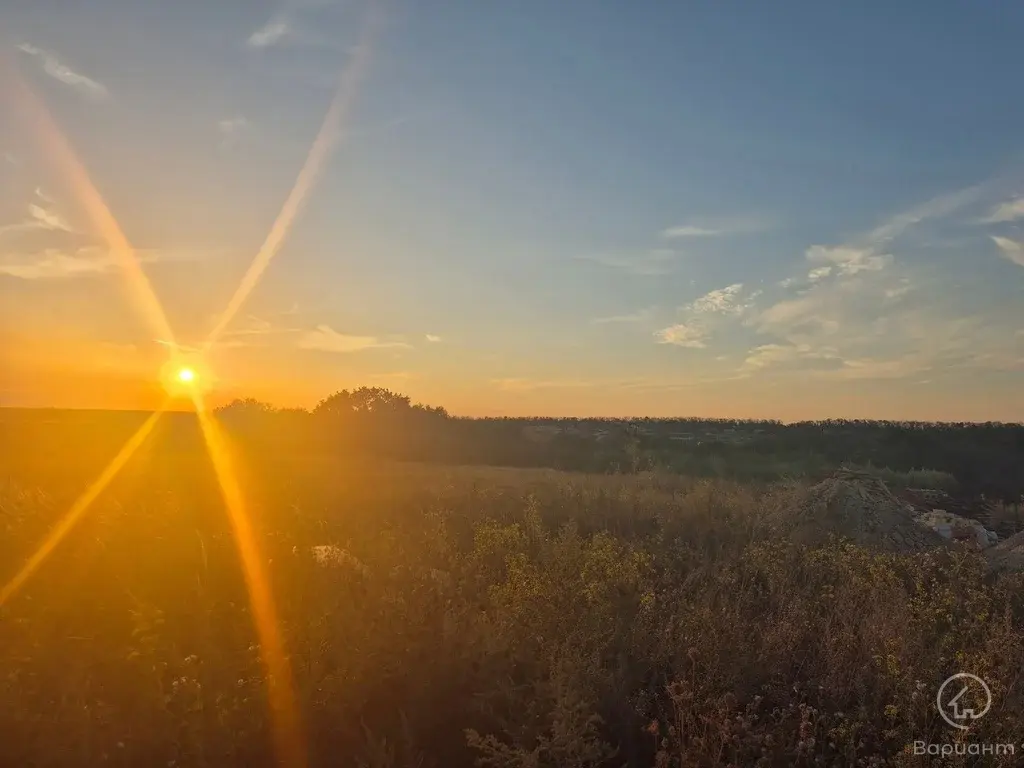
x: 741, y: 419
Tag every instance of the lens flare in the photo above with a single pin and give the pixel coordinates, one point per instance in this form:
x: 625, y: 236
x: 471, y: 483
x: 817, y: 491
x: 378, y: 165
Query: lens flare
x: 79, y: 508
x: 193, y: 379
x: 333, y: 125
x: 59, y: 152
x: 285, y: 718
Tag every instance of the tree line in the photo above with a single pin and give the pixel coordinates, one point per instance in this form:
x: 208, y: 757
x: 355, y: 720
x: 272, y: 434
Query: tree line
x: 985, y: 458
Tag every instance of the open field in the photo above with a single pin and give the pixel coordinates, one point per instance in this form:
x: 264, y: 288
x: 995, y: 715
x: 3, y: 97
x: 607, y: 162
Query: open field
x: 977, y: 460
x: 402, y: 384
x: 512, y: 617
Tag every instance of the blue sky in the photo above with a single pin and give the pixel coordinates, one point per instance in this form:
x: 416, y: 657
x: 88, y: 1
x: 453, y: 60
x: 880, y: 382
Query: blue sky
x: 780, y: 210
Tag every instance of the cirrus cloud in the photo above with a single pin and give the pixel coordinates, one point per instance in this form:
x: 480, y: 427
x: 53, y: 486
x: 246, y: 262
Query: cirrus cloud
x: 727, y: 301
x: 653, y: 262
x: 272, y: 33
x: 40, y: 217
x: 60, y: 71
x: 1012, y: 250
x: 718, y: 226
x: 58, y: 264
x: 1011, y: 210
x: 326, y: 339
x: 846, y: 260
x: 682, y: 335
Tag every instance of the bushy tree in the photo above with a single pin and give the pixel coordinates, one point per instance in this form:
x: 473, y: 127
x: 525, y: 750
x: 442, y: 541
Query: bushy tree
x: 244, y: 408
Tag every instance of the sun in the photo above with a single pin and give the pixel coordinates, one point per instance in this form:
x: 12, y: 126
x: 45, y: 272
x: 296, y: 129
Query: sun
x: 186, y: 377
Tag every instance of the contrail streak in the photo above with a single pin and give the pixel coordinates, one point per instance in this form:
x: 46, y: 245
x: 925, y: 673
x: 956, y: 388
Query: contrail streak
x: 333, y: 124
x: 58, y: 151
x: 80, y: 507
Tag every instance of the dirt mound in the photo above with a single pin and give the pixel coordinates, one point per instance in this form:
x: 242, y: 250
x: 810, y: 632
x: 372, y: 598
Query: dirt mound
x: 1008, y: 554
x: 861, y: 508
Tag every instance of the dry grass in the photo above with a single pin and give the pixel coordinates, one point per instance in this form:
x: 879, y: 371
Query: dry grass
x: 513, y: 619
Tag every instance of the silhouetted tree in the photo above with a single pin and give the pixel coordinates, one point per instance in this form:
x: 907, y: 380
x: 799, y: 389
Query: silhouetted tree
x: 984, y: 458
x: 244, y: 408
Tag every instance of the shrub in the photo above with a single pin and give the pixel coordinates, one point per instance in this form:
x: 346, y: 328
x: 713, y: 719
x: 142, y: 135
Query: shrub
x: 507, y: 618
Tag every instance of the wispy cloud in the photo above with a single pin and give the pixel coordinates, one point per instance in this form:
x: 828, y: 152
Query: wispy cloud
x: 432, y: 338
x: 767, y: 355
x: 58, y: 70
x: 53, y: 264
x: 851, y: 329
x: 846, y: 260
x: 272, y: 33
x: 287, y: 27
x: 788, y: 315
x: 48, y: 219
x: 851, y: 320
x: 682, y: 335
x: 39, y: 217
x: 326, y: 339
x: 706, y: 315
x: 254, y: 332
x: 842, y: 261
x: 256, y: 326
x: 1012, y: 250
x: 59, y: 264
x: 868, y: 252
x: 690, y: 230
x: 655, y: 262
x: 257, y: 331
x: 819, y: 273
x: 11, y: 159
x: 718, y: 227
x: 727, y: 301
x: 899, y: 290
x: 651, y: 263
x: 871, y: 368
x: 230, y: 127
x: 936, y: 208
x: 640, y: 316
x: 1011, y: 210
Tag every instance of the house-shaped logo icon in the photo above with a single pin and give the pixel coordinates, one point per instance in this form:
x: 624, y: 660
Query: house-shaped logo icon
x: 958, y: 712
x: 970, y: 701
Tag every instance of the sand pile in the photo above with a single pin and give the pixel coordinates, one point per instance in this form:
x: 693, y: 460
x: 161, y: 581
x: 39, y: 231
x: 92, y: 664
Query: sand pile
x: 859, y: 507
x: 1008, y: 554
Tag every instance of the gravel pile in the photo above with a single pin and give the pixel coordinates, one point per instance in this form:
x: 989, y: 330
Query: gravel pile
x: 860, y: 507
x: 1008, y: 554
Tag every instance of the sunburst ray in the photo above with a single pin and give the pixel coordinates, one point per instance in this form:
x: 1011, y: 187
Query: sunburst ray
x: 326, y: 138
x: 80, y: 507
x: 286, y: 720
x: 58, y: 151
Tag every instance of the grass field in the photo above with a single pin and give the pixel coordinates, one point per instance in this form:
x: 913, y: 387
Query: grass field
x: 510, y: 618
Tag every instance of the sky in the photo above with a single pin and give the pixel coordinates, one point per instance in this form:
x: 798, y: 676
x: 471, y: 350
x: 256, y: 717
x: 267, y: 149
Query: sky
x: 774, y: 210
